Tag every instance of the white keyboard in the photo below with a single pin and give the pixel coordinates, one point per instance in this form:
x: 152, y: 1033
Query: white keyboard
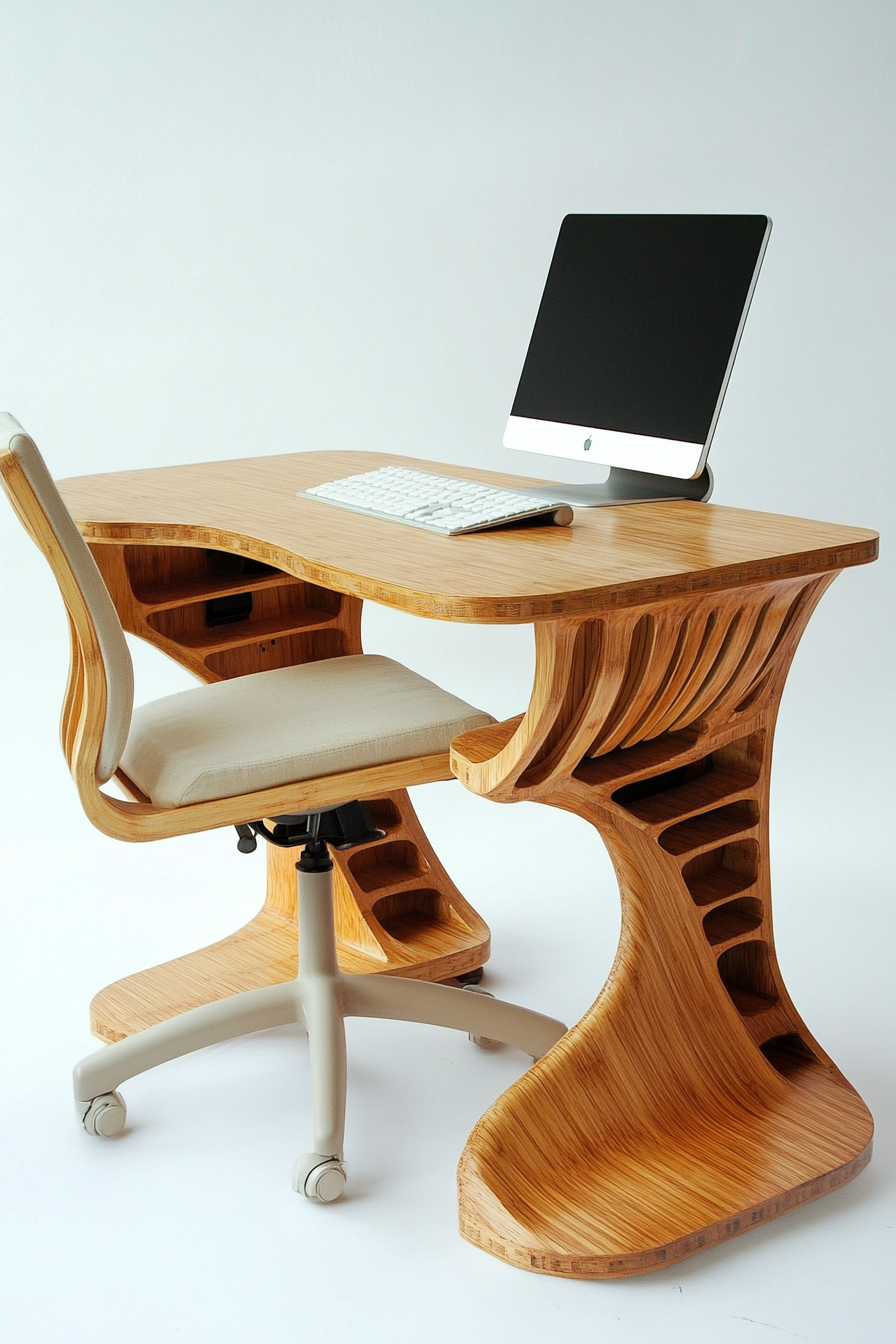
x: 444, y: 504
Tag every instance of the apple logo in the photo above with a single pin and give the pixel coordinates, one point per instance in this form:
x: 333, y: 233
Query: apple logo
x: 587, y: 443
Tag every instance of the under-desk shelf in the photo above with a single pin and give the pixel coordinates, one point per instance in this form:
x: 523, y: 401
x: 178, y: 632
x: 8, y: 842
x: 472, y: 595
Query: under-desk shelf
x: 223, y: 614
x: 214, y: 639
x: 200, y: 588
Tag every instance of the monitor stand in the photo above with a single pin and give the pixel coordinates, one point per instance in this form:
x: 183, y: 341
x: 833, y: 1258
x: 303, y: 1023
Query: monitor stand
x: 628, y: 487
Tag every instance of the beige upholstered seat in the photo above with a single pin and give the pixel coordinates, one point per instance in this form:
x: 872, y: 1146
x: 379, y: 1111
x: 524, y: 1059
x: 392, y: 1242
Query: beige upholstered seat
x: 292, y: 723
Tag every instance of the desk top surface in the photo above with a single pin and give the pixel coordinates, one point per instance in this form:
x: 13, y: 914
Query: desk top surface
x: 610, y: 557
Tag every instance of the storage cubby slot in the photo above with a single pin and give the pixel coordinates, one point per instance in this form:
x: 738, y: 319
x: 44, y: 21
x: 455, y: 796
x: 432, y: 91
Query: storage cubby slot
x: 385, y: 814
x: 696, y: 786
x: 747, y: 975
x: 387, y: 864
x: 625, y: 762
x: 282, y: 651
x: 228, y: 610
x: 709, y: 828
x: 733, y: 919
x: 423, y: 920
x: 170, y: 575
x: 723, y: 872
x: 271, y: 612
x: 630, y: 795
x: 690, y: 788
x: 790, y: 1055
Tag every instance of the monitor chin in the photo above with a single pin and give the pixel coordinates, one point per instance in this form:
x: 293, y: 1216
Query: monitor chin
x: 608, y: 447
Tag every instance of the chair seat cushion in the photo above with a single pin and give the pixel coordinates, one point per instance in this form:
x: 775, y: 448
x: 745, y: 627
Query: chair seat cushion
x: 289, y: 724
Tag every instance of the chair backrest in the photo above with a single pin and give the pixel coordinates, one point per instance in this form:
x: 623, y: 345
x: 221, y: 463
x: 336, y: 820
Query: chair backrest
x: 100, y: 697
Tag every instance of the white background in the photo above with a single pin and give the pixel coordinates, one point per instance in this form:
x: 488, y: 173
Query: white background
x: 237, y: 228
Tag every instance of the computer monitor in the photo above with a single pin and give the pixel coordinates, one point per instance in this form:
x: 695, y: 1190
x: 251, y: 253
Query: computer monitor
x: 633, y: 346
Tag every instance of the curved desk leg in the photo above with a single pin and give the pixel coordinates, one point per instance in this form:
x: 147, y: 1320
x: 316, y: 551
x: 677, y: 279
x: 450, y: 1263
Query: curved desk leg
x: 397, y: 910
x: 691, y: 1102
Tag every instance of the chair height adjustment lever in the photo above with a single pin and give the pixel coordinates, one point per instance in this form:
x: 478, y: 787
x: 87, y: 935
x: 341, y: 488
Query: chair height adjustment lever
x: 247, y: 844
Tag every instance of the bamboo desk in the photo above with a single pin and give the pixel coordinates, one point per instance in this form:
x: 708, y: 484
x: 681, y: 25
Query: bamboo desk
x: 691, y: 1102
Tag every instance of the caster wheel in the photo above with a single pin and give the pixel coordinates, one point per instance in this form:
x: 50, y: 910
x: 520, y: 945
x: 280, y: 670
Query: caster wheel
x: 471, y: 977
x: 318, y: 1177
x: 484, y: 1042
x: 106, y: 1115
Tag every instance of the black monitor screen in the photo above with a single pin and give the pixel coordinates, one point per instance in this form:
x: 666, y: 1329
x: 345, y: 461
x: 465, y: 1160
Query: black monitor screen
x: 638, y: 322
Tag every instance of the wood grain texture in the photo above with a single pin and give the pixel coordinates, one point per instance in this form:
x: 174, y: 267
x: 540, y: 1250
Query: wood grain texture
x: 608, y: 558
x: 691, y: 1102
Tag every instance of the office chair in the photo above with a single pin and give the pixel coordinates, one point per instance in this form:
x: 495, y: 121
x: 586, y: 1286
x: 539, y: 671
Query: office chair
x: 284, y: 755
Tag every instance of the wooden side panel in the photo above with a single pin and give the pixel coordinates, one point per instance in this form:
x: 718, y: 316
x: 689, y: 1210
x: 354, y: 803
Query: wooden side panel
x: 691, y: 1102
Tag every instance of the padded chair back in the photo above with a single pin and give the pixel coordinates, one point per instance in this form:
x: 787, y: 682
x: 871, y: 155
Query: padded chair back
x: 98, y: 704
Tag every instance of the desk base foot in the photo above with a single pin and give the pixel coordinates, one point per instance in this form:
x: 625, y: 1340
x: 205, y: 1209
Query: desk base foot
x: 644, y: 1200
x: 538, y: 1259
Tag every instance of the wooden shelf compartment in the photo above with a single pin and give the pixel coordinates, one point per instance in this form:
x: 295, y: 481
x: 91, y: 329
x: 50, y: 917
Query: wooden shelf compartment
x: 238, y: 660
x: 165, y: 576
x: 387, y: 863
x: 791, y: 1056
x: 683, y: 792
x: 718, y: 874
x: 707, y: 829
x: 423, y: 921
x: 386, y: 816
x: 697, y: 786
x: 746, y: 973
x: 214, y: 639
x: 276, y: 610
x: 633, y: 763
x: 732, y: 920
x: 225, y: 615
x: 202, y: 589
